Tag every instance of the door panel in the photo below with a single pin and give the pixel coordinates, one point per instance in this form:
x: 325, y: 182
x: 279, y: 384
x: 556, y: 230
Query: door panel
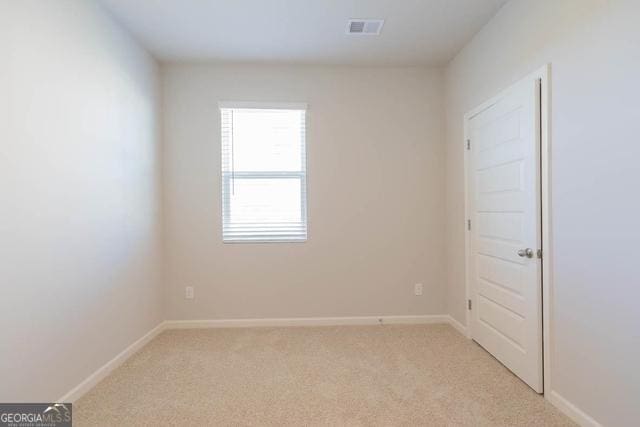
x: 504, y: 205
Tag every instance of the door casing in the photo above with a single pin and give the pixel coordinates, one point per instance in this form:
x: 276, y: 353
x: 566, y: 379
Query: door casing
x: 543, y: 74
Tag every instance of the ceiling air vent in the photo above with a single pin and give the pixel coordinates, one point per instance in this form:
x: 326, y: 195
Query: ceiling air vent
x: 364, y: 27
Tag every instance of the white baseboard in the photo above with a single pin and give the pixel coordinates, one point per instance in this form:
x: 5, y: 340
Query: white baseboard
x: 457, y: 325
x: 73, y: 395
x: 570, y: 410
x: 306, y: 321
x: 566, y: 407
x: 93, y: 379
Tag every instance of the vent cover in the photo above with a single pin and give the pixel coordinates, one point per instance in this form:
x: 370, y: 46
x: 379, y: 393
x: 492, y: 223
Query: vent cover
x: 364, y: 27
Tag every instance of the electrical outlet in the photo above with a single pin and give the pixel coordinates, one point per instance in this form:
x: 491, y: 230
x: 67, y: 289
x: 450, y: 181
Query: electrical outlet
x: 188, y: 292
x: 417, y: 289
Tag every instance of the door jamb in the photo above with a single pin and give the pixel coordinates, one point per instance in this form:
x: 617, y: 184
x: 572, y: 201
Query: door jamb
x: 543, y: 74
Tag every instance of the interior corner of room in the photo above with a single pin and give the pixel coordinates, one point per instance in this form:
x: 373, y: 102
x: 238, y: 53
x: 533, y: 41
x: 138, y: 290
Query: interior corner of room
x: 415, y: 207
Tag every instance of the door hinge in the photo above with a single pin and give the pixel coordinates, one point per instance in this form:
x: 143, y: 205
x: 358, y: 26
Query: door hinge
x: 469, y: 304
x: 469, y: 224
x: 468, y: 144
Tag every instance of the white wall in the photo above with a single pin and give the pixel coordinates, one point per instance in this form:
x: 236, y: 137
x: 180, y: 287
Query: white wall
x: 594, y: 49
x: 376, y: 195
x: 79, y: 204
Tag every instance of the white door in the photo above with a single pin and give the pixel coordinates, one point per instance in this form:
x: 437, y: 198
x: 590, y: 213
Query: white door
x: 505, y: 266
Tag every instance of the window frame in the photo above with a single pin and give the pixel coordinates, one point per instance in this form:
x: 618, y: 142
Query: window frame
x: 301, y: 175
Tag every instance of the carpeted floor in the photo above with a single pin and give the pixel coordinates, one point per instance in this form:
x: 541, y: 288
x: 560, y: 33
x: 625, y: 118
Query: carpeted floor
x: 349, y: 375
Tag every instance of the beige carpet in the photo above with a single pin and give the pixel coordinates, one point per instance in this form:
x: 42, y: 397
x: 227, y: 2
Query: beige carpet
x: 350, y: 375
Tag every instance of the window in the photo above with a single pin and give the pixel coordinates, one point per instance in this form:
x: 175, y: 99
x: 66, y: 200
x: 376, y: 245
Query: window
x: 264, y: 178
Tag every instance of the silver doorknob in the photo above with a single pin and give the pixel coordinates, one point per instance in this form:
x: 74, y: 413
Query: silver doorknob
x: 526, y: 253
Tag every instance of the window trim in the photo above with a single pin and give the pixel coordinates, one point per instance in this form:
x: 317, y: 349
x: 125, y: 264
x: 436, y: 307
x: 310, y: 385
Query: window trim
x: 301, y: 175
x: 263, y: 105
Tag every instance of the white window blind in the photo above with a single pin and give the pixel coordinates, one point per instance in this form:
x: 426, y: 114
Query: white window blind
x: 264, y: 195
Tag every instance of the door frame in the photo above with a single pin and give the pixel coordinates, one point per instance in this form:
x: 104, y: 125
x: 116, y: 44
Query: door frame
x: 543, y: 74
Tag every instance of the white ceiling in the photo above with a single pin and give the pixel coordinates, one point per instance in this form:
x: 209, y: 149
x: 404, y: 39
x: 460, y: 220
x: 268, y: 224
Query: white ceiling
x: 416, y: 32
